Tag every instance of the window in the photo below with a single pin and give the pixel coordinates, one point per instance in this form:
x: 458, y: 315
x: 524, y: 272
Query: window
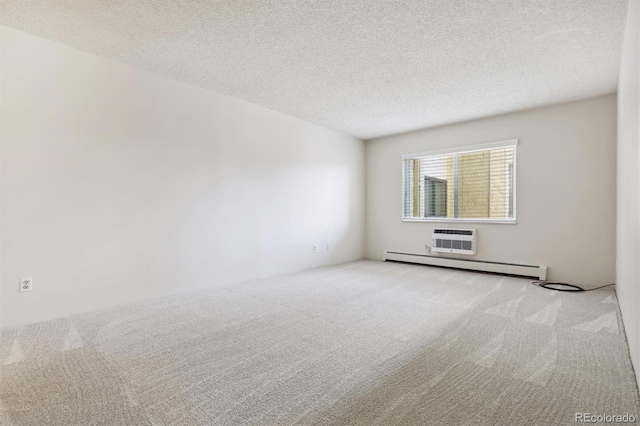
x: 476, y: 183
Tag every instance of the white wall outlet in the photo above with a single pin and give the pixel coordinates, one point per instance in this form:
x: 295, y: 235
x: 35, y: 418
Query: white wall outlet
x: 26, y: 284
x: 315, y: 248
x: 327, y: 246
x: 427, y: 247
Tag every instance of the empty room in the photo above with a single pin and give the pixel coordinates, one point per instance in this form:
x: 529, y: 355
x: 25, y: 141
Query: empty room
x: 319, y: 212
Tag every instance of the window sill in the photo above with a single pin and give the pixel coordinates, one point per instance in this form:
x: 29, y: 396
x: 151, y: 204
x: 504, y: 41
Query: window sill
x: 448, y: 220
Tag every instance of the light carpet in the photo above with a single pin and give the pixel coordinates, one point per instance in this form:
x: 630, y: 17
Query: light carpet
x: 364, y: 343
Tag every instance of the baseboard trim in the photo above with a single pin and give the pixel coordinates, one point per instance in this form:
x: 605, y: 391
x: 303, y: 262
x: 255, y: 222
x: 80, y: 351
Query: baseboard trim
x: 539, y: 272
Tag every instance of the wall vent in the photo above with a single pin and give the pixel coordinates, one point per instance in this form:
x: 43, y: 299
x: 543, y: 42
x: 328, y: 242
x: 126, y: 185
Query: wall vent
x: 458, y: 241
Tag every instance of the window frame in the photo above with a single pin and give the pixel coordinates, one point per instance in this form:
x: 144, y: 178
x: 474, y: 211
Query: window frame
x: 510, y: 143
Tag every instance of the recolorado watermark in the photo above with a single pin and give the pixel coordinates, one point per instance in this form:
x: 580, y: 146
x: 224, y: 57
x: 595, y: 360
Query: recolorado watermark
x: 604, y: 418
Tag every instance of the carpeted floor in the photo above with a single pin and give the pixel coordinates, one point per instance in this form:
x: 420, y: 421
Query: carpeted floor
x: 365, y: 343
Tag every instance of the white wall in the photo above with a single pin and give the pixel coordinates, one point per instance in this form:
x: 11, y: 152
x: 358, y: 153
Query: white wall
x: 628, y: 220
x: 120, y: 185
x: 565, y: 190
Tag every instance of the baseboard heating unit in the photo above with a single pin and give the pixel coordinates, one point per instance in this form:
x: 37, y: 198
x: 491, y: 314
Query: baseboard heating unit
x: 539, y: 272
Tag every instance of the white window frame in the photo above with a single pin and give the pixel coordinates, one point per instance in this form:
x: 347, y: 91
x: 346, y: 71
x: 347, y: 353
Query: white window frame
x: 460, y: 150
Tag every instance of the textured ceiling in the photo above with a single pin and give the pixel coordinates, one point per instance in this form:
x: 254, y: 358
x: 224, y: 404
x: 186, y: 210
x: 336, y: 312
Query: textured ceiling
x: 365, y: 67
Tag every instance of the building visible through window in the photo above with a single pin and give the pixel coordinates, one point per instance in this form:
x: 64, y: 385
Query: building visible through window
x: 466, y: 184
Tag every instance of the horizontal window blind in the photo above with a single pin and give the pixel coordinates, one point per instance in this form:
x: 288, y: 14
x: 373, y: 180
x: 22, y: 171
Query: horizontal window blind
x: 468, y: 184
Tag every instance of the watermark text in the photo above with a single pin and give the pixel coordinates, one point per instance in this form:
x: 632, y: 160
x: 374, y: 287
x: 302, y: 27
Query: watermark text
x: 604, y: 418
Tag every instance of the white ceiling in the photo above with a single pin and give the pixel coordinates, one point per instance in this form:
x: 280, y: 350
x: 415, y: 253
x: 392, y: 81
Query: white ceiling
x: 365, y: 67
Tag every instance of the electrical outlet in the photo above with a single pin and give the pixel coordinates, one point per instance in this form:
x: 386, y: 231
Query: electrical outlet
x: 26, y: 284
x: 427, y: 248
x: 315, y: 248
x: 327, y: 246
